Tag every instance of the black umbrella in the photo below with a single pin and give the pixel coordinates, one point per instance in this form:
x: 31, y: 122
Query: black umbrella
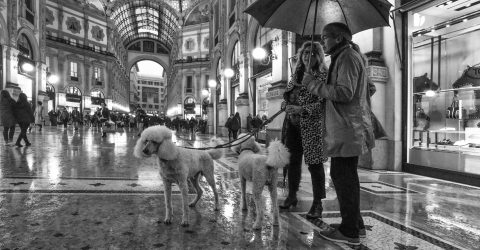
x: 308, y: 17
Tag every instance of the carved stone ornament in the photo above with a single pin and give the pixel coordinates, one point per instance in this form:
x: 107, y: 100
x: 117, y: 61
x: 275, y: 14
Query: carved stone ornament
x: 97, y: 33
x: 49, y: 18
x: 73, y: 25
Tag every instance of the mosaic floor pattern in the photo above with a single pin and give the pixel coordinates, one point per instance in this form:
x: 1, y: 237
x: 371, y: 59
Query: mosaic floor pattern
x: 76, y: 190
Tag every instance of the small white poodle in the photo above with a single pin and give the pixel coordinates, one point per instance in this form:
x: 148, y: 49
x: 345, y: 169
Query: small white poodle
x: 261, y: 170
x: 178, y: 165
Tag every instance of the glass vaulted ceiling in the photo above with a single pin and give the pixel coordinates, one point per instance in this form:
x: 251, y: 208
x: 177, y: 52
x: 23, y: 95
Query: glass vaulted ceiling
x: 145, y: 19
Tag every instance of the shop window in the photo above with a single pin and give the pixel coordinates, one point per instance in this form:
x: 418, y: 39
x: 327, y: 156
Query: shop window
x: 444, y: 106
x: 189, y: 44
x: 74, y: 71
x: 189, y: 86
x: 156, y: 106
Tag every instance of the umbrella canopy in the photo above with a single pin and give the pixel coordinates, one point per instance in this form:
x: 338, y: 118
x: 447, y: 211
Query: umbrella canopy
x: 307, y: 17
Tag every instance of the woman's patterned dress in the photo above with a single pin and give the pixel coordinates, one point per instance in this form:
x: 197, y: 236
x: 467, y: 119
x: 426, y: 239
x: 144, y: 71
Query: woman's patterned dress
x: 312, y: 119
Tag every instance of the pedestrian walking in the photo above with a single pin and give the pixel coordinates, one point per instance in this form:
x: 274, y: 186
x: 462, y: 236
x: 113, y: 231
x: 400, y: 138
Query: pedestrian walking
x: 305, y: 127
x: 64, y: 117
x: 349, y: 131
x: 236, y: 125
x: 76, y: 118
x: 24, y: 116
x: 228, y: 125
x: 7, y: 117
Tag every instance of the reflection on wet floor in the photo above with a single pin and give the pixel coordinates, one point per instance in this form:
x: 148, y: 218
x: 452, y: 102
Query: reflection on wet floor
x: 76, y: 190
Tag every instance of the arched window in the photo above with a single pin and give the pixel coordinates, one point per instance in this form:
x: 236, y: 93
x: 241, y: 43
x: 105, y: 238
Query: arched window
x: 25, y: 47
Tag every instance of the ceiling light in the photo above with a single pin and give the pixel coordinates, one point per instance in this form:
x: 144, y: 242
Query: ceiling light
x: 259, y: 53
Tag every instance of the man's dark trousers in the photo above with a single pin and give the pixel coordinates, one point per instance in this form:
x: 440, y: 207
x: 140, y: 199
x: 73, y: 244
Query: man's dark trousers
x: 343, y: 171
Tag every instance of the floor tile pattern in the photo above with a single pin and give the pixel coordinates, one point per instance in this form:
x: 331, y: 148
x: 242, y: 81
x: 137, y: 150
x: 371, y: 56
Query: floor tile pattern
x: 76, y: 190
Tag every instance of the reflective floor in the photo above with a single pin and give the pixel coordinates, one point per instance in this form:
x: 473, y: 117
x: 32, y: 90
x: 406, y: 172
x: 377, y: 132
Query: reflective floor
x: 76, y: 190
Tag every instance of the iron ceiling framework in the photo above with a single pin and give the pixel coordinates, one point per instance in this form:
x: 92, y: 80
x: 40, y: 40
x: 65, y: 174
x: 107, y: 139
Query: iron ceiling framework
x: 139, y: 19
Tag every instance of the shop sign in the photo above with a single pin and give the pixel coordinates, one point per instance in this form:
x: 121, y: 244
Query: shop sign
x: 189, y: 111
x: 73, y: 98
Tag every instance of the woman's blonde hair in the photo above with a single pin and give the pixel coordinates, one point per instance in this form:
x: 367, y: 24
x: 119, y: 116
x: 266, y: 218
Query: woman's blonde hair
x: 317, y: 51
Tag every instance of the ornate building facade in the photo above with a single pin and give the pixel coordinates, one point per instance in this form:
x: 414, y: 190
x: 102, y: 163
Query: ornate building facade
x: 77, y: 52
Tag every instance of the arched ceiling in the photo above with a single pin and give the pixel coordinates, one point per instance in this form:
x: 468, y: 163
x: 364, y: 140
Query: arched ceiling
x: 154, y: 19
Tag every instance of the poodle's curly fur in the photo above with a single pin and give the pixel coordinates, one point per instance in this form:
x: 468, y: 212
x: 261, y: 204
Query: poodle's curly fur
x: 261, y: 170
x: 178, y: 165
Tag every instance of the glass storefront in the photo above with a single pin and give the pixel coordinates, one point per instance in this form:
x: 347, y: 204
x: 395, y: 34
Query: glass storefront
x: 444, y: 86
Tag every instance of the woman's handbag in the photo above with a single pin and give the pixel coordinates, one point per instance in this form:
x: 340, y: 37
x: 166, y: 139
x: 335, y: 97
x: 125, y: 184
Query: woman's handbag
x: 470, y: 76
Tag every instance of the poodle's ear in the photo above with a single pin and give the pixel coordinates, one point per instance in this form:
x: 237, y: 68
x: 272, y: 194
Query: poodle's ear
x: 167, y: 150
x: 138, y: 150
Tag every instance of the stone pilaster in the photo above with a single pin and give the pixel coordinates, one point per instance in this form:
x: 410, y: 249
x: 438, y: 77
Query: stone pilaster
x: 242, y: 104
x: 222, y: 117
x: 275, y: 99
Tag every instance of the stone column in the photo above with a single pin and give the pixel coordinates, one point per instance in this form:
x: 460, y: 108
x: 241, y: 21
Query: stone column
x: 222, y: 117
x: 380, y: 156
x: 210, y: 116
x: 243, y: 109
x: 275, y: 99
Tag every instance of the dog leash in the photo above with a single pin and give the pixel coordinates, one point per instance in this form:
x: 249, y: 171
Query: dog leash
x: 244, y: 138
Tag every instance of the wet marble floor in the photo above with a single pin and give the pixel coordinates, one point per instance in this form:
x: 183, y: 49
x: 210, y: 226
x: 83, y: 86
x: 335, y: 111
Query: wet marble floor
x: 76, y: 190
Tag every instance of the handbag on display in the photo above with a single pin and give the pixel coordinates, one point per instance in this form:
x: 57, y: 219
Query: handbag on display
x: 470, y: 76
x: 422, y: 120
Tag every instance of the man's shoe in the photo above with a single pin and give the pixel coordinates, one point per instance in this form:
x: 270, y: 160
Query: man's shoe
x: 18, y: 145
x: 337, y: 236
x: 362, y: 233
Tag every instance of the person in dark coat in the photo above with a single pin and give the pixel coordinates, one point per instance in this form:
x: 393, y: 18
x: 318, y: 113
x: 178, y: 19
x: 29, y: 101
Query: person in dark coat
x: 228, y: 125
x: 24, y: 116
x: 76, y: 118
x: 235, y: 125
x: 7, y: 118
x: 52, y: 115
x: 104, y: 117
x: 256, y: 125
x: 249, y: 123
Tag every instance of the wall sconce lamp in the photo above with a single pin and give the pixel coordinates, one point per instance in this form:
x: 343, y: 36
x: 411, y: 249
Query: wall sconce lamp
x: 27, y: 67
x: 52, y: 78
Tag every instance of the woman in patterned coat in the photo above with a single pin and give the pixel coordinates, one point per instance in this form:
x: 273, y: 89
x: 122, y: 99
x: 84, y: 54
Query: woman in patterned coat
x: 306, y: 110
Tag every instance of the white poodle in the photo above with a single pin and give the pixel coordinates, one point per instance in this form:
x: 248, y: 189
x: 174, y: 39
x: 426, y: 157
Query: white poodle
x: 262, y: 171
x: 178, y: 165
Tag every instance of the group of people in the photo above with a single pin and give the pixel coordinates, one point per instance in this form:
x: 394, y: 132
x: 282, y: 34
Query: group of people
x: 328, y: 115
x: 16, y: 112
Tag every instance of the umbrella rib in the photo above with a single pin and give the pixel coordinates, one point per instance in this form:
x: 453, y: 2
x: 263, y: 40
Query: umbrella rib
x: 306, y: 18
x: 378, y: 11
x: 345, y: 17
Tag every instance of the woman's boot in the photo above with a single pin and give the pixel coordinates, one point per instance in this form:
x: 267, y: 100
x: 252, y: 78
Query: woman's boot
x: 318, y: 187
x: 294, y: 174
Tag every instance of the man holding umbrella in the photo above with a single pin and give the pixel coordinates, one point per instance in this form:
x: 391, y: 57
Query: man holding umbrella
x: 349, y: 131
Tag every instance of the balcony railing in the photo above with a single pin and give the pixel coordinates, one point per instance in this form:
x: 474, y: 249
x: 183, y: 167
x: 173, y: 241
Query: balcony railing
x: 80, y: 46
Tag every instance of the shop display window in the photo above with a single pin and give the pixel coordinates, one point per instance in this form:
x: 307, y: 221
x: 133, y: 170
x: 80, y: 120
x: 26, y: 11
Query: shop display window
x: 444, y: 86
